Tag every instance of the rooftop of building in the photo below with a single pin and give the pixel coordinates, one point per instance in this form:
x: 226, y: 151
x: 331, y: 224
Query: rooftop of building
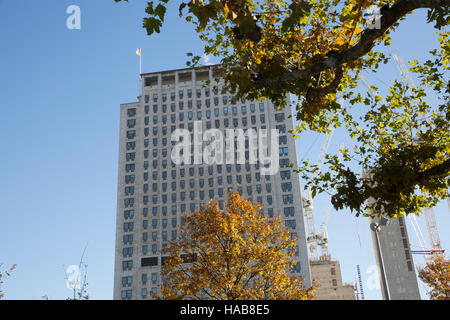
x: 178, y: 70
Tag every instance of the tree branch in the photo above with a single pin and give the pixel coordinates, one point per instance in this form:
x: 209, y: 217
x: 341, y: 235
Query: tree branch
x: 439, y: 170
x: 314, y: 93
x: 367, y: 42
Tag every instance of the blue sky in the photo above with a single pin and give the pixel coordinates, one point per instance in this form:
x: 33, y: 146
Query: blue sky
x: 60, y: 92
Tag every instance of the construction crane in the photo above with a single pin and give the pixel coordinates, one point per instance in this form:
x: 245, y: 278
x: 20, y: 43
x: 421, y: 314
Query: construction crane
x: 403, y: 70
x: 428, y: 212
x: 314, y: 238
x: 432, y: 228
x: 361, y: 289
x: 322, y: 237
x: 427, y: 251
x: 417, y: 230
x: 366, y: 84
x: 308, y: 204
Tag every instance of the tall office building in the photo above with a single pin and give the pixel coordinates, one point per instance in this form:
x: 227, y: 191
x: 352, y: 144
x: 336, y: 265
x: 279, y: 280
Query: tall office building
x: 154, y: 191
x: 397, y: 260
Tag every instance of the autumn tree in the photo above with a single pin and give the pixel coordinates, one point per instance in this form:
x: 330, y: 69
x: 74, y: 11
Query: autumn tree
x: 3, y: 275
x: 233, y: 254
x: 436, y: 274
x: 316, y: 51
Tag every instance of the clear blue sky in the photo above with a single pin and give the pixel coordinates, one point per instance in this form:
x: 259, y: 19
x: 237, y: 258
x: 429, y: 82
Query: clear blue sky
x: 60, y: 92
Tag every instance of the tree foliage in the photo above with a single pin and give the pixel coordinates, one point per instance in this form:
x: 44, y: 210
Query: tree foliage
x: 3, y: 275
x: 436, y: 274
x: 233, y: 254
x: 317, y: 50
x: 403, y: 141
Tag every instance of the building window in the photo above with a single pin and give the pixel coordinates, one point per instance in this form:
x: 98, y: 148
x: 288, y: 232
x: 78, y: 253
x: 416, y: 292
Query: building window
x: 131, y: 112
x: 127, y: 265
x: 126, y: 294
x: 144, y: 279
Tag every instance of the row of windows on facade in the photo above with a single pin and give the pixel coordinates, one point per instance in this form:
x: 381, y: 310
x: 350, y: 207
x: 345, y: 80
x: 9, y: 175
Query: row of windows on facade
x: 163, y: 108
x: 128, y: 280
x: 190, y: 126
x: 189, y: 92
x: 129, y: 190
x: 131, y: 156
x: 190, y: 161
x: 129, y: 226
x: 225, y: 112
x: 128, y: 239
x: 127, y: 265
x: 182, y: 170
x: 130, y: 179
x: 128, y: 294
x: 131, y: 146
x: 131, y: 167
x: 130, y: 214
x: 129, y: 202
x: 131, y: 134
x: 127, y: 252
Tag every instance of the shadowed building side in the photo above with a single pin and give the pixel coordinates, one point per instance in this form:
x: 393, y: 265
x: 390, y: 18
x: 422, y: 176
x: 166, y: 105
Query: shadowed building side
x: 398, y: 262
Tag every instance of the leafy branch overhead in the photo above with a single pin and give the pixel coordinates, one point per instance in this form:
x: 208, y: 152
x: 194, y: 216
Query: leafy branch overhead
x: 317, y: 50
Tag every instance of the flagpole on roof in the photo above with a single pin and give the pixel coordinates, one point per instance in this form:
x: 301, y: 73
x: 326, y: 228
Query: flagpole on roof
x: 139, y: 53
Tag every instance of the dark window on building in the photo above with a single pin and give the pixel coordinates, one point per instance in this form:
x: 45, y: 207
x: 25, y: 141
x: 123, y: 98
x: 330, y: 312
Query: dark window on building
x: 149, y: 262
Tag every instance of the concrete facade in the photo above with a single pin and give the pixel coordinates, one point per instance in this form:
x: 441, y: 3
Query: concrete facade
x: 153, y: 191
x: 328, y: 274
x: 398, y: 261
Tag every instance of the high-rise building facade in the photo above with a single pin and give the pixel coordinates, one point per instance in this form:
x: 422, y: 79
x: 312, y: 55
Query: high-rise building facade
x: 398, y: 262
x: 154, y: 191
